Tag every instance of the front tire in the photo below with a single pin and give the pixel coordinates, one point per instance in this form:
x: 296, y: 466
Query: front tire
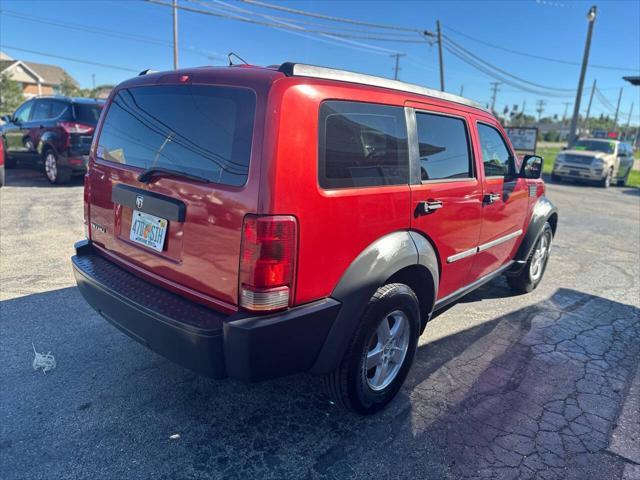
x: 606, y: 181
x: 380, y: 353
x: 55, y: 173
x: 531, y: 275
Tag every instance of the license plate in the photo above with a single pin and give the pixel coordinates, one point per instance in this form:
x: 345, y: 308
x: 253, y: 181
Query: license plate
x: 148, y: 230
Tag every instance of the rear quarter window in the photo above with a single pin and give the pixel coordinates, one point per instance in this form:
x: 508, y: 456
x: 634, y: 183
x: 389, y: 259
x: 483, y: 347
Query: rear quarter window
x: 198, y: 129
x: 362, y: 145
x: 87, y: 114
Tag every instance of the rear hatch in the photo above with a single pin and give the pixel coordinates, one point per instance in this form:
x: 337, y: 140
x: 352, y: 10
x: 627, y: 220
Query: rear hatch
x: 85, y: 119
x: 180, y: 225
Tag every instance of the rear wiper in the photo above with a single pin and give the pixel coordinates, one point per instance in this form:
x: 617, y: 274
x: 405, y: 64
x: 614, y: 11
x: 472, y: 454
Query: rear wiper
x: 148, y: 175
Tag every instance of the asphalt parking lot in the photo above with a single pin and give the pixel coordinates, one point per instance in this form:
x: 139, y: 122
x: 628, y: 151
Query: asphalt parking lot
x: 544, y: 385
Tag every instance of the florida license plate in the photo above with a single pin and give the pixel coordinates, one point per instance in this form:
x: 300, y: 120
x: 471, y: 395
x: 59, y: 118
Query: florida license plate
x: 148, y: 230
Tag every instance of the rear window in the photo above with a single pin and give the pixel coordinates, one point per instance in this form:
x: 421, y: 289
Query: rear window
x: 87, y: 114
x: 444, y: 147
x: 362, y: 145
x: 196, y: 129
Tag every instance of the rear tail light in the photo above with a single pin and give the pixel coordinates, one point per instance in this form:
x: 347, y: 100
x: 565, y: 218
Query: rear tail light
x: 73, y: 127
x: 267, y: 262
x: 86, y: 202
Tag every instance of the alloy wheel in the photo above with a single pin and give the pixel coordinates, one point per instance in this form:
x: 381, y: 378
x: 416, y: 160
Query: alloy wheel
x: 539, y: 258
x: 51, y: 167
x: 387, y: 349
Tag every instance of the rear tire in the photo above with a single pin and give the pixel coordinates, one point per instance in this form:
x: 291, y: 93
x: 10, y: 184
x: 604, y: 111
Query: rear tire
x: 623, y: 181
x: 55, y: 173
x: 531, y: 275
x: 380, y: 353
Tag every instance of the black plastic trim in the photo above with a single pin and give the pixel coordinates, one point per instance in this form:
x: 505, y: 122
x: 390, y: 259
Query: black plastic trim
x: 153, y: 203
x: 241, y: 345
x: 370, y: 270
x: 458, y: 294
x: 542, y: 211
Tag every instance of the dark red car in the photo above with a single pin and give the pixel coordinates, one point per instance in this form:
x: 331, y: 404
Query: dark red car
x: 254, y: 222
x: 54, y: 132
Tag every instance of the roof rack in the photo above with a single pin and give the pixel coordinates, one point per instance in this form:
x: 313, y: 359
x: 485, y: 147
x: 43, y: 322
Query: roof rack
x: 301, y: 70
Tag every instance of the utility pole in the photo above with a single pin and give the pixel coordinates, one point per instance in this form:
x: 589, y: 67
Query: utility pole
x: 573, y: 131
x: 615, y: 120
x: 438, y: 37
x: 626, y: 129
x: 396, y: 68
x: 461, y: 90
x: 93, y: 81
x: 540, y: 108
x: 494, y: 94
x: 440, y: 55
x: 586, y: 118
x: 175, y: 34
x: 564, y: 115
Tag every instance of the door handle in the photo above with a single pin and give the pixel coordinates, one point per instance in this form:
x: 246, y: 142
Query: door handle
x: 491, y: 198
x: 430, y: 206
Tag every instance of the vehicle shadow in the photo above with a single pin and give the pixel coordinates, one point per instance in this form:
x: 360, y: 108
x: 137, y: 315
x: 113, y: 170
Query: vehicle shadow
x: 481, y: 399
x: 632, y: 191
x: 26, y: 174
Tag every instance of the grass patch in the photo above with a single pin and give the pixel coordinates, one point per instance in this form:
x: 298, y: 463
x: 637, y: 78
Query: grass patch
x: 549, y: 154
x: 634, y: 179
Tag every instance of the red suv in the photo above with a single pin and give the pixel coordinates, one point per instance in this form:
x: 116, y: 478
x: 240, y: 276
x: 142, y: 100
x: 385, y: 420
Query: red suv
x: 255, y: 222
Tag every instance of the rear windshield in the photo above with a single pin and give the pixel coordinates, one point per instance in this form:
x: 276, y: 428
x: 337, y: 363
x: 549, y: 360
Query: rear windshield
x: 197, y: 129
x: 87, y: 114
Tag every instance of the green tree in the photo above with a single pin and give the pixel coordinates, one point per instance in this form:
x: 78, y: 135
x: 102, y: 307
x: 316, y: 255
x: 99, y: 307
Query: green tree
x: 10, y: 95
x: 68, y: 87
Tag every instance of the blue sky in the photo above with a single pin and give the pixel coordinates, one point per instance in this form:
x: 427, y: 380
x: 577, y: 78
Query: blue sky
x: 548, y: 28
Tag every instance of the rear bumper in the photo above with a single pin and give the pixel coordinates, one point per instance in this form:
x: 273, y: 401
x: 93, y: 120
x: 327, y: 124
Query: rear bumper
x: 214, y: 344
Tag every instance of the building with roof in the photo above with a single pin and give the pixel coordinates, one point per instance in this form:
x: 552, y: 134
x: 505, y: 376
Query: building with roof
x: 35, y: 78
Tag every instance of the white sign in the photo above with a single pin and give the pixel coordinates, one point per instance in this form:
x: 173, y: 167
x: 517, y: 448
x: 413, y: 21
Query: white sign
x: 523, y: 139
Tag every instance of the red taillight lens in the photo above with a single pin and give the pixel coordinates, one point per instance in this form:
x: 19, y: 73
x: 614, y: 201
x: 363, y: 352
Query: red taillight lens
x: 73, y: 127
x: 87, y: 200
x: 267, y: 262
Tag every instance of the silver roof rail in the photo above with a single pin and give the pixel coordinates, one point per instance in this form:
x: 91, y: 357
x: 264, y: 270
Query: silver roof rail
x: 301, y: 70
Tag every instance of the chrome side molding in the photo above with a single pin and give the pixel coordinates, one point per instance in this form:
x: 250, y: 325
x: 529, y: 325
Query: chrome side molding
x: 484, y: 246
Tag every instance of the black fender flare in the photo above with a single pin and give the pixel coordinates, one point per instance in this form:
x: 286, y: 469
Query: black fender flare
x: 543, y: 211
x: 371, y: 269
x: 46, y: 141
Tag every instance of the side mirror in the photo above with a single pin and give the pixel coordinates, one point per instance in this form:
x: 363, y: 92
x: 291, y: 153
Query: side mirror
x: 6, y: 118
x: 531, y: 167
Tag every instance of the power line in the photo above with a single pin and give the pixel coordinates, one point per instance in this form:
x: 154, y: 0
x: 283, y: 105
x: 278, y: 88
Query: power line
x: 504, y: 72
x: 87, y: 62
x: 106, y: 32
x: 330, y: 17
x: 487, y: 70
x: 340, y: 28
x: 532, y: 55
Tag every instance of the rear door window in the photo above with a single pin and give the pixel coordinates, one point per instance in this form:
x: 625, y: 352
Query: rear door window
x: 362, y: 145
x: 42, y: 110
x: 198, y: 129
x: 496, y: 157
x: 443, y: 147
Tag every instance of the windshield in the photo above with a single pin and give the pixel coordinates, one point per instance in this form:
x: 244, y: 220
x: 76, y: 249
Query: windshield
x: 595, y: 146
x: 201, y: 130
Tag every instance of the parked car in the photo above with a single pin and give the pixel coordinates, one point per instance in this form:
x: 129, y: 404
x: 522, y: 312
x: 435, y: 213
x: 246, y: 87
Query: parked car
x: 54, y: 132
x: 255, y: 222
x: 595, y: 159
x: 1, y: 163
